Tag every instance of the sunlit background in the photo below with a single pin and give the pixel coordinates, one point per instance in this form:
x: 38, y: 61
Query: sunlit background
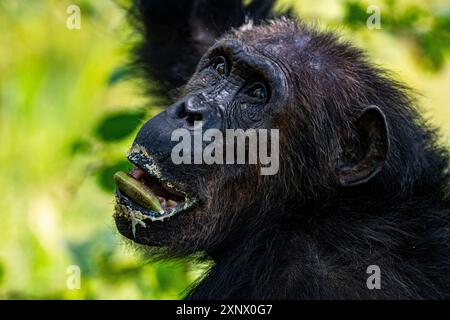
x: 68, y: 112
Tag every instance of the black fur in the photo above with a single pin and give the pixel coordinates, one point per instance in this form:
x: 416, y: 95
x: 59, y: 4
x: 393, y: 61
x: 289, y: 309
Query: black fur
x: 305, y: 237
x: 177, y: 33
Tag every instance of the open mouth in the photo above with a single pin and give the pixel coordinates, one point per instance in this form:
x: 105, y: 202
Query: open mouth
x: 144, y: 192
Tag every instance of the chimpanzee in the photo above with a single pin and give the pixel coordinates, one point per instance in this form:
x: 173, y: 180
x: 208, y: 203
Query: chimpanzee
x: 359, y: 208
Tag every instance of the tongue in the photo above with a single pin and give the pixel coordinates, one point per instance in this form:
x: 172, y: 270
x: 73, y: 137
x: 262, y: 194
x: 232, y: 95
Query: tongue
x: 137, y: 191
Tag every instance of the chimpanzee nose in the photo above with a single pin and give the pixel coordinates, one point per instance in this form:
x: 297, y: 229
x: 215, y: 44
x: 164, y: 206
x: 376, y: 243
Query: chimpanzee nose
x: 192, y: 109
x: 156, y: 134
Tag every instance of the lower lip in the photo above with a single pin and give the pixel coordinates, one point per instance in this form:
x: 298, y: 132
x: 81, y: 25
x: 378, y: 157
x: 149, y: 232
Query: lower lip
x: 152, y: 215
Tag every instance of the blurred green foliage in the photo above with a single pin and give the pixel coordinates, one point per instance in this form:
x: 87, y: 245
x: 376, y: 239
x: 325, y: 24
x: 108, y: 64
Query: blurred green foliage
x: 429, y: 33
x: 119, y: 125
x: 69, y: 111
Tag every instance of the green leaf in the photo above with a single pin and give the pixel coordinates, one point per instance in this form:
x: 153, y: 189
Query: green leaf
x: 355, y: 14
x: 80, y: 146
x: 432, y: 53
x: 119, y: 74
x: 117, y: 126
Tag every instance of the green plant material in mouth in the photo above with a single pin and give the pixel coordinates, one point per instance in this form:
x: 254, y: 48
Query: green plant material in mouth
x: 137, y: 191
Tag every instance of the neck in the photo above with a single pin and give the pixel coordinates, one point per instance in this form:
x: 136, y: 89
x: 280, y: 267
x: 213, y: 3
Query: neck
x: 327, y: 257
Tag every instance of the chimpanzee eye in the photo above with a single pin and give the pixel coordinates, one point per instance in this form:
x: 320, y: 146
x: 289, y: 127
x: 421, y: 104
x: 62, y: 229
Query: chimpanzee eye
x: 220, y: 65
x: 259, y: 91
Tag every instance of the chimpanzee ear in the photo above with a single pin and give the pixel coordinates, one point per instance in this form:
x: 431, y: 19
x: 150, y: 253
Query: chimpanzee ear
x: 365, y: 151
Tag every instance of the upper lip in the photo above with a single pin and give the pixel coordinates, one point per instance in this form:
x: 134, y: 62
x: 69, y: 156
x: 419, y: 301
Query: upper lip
x: 149, y: 168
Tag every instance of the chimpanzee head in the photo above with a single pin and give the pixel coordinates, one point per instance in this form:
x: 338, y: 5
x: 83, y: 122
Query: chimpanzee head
x: 328, y: 105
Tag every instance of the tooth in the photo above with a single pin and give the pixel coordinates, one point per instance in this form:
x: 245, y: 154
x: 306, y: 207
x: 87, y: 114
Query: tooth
x: 137, y: 191
x: 163, y: 202
x: 171, y: 203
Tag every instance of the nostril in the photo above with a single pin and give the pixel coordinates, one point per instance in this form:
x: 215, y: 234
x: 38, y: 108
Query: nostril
x: 182, y: 113
x: 188, y: 111
x: 192, y: 117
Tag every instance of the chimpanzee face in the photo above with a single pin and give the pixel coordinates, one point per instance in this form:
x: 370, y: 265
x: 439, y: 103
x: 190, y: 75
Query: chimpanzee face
x: 238, y: 86
x: 234, y: 87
